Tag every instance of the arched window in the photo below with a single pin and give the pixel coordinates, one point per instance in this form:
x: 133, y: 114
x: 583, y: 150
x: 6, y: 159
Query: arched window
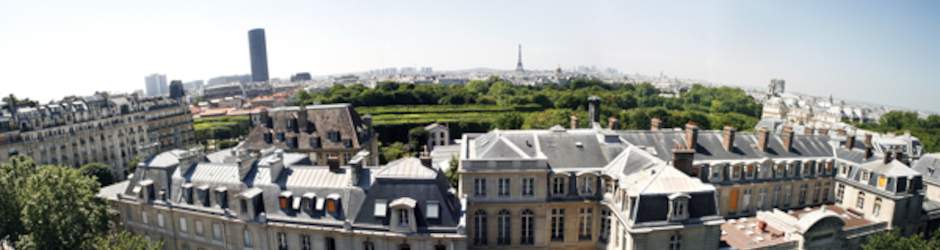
x: 479, y: 228
x: 528, y: 227
x: 503, y: 226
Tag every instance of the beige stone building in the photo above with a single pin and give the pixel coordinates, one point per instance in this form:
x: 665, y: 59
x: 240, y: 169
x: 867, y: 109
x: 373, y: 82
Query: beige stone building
x: 103, y: 128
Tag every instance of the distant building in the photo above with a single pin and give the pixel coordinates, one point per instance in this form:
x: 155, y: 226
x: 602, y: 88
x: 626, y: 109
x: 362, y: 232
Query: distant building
x: 407, y: 70
x: 229, y: 79
x: 193, y: 85
x: 519, y: 65
x: 438, y: 135
x: 176, y: 90
x: 775, y: 88
x: 259, y: 55
x: 427, y: 70
x: 299, y: 77
x: 156, y: 85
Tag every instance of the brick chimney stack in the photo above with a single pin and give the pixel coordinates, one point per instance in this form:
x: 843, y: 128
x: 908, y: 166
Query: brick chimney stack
x: 762, y: 134
x: 887, y: 157
x: 425, y: 158
x: 787, y: 138
x: 574, y: 121
x: 612, y: 123
x: 808, y: 130
x: 655, y: 123
x: 691, y: 135
x: 868, y: 140
x: 682, y: 158
x: 849, y: 141
x: 728, y: 136
x: 899, y: 155
x: 824, y: 131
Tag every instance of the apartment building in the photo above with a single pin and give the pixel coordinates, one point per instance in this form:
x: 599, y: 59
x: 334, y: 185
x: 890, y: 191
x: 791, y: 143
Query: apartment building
x: 273, y: 199
x: 320, y: 131
x: 102, y: 127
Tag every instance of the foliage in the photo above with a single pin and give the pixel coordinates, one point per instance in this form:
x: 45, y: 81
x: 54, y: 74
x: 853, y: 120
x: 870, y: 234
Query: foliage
x: 226, y: 144
x: 452, y: 174
x: 124, y: 241
x: 417, y: 138
x: 511, y: 120
x: 102, y: 172
x: 221, y: 127
x: 49, y: 207
x: 132, y: 164
x: 894, y: 240
x: 392, y: 152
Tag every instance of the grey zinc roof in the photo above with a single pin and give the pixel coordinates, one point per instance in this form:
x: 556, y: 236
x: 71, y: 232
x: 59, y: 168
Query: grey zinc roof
x: 892, y: 168
x: 406, y: 168
x: 928, y: 165
x: 563, y: 151
x: 316, y: 176
x: 745, y: 145
x: 216, y: 173
x: 166, y: 159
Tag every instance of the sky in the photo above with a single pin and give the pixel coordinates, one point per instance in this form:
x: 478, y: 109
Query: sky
x: 883, y: 52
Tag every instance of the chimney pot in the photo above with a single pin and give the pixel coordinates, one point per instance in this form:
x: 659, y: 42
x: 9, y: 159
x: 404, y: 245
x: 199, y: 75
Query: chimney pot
x: 574, y: 121
x: 612, y: 122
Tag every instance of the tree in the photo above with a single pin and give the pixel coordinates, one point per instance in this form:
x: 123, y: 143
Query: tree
x: 477, y: 86
x: 102, y: 172
x: 132, y: 164
x: 452, y: 174
x: 417, y: 137
x: 124, y: 241
x: 55, y: 207
x: 392, y: 152
x: 511, y: 120
x: 894, y: 240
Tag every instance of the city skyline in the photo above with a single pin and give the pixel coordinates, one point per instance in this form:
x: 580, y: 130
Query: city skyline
x: 872, y: 51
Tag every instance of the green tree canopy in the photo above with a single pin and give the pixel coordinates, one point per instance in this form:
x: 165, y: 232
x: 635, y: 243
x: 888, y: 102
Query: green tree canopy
x: 102, y: 172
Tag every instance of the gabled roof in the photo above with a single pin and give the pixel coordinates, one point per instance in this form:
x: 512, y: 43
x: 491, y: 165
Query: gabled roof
x: 406, y: 168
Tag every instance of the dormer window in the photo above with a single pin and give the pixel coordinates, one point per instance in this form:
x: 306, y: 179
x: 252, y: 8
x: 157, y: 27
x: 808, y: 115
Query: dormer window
x: 188, y: 193
x: 204, y: 195
x: 280, y: 137
x: 311, y: 199
x: 587, y: 185
x: 221, y: 199
x: 716, y: 173
x: 285, y: 199
x: 332, y: 202
x: 403, y: 218
x: 347, y: 143
x: 679, y: 206
x: 381, y: 207
x: 558, y: 185
x: 433, y: 210
x: 315, y: 142
x: 806, y: 168
x: 267, y: 137
x: 736, y: 172
x: 750, y: 171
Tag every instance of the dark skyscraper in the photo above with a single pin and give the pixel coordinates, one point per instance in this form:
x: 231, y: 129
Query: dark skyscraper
x: 259, y: 55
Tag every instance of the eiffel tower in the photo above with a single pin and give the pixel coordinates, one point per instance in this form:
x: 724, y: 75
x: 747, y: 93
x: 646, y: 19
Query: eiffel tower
x: 519, y: 65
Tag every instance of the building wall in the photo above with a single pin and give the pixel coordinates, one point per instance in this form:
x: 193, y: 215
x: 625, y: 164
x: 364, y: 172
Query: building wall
x: 725, y: 199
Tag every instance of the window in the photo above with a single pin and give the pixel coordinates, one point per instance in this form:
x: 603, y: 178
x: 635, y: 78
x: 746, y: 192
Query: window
x: 247, y: 236
x: 761, y: 197
x: 736, y: 172
x: 675, y: 242
x: 244, y: 205
x: 845, y: 169
x: 403, y: 217
x: 829, y: 168
x: 183, y: 225
x: 586, y: 219
x: 479, y: 228
x: 860, y: 204
x: 820, y: 168
x: 330, y: 243
x: 716, y: 173
x: 331, y: 206
x: 503, y: 227
x: 806, y: 168
x: 558, y: 185
x: 746, y: 201
x: 404, y: 246
x: 304, y: 242
x: 791, y: 170
x: 803, y: 188
x: 816, y: 189
x: 434, y: 210
x: 876, y: 210
x: 282, y: 241
x: 528, y: 227
x: 587, y: 185
x: 787, y: 195
x: 605, y: 225
x: 774, y: 202
x: 479, y: 187
x: 380, y: 207
x: 733, y: 201
x: 504, y: 187
x: 199, y: 227
x: 864, y: 176
x: 781, y: 171
x: 368, y: 245
x: 143, y: 217
x: 825, y: 192
x: 160, y: 222
x: 840, y: 192
x: 216, y: 231
x: 750, y: 172
x: 882, y: 181
x: 558, y: 224
x: 528, y: 186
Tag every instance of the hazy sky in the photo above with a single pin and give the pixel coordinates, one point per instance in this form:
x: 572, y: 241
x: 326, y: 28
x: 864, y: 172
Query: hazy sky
x: 875, y: 51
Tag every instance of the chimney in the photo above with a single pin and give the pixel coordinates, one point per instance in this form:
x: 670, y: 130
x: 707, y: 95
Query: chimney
x: 691, y: 135
x: 762, y: 134
x: 333, y: 161
x: 655, y: 123
x: 808, y: 130
x: 302, y: 118
x: 849, y: 142
x: 265, y: 119
x: 868, y: 140
x: 594, y: 109
x: 682, y: 158
x: 574, y: 121
x: 887, y: 157
x: 899, y: 155
x: 824, y: 131
x: 276, y: 165
x: 728, y: 142
x: 907, y: 134
x: 840, y: 132
x: 868, y: 152
x: 367, y: 119
x: 787, y: 138
x: 425, y: 158
x: 892, y: 134
x: 612, y: 123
